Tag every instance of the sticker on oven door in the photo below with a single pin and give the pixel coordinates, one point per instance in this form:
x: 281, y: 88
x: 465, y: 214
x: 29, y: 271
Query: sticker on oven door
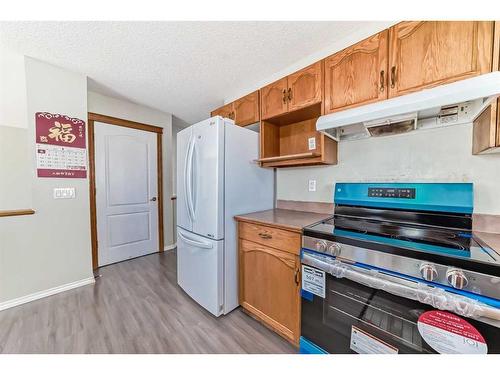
x: 364, y: 343
x: 313, y: 281
x: 448, y: 333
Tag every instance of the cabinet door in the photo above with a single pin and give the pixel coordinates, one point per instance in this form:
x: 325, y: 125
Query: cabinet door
x: 431, y: 53
x: 269, y: 287
x: 225, y: 111
x: 246, y: 109
x: 305, y: 86
x: 357, y: 75
x: 273, y: 99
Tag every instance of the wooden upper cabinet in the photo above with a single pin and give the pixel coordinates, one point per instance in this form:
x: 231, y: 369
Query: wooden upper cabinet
x: 423, y: 54
x: 273, y: 99
x: 246, y: 109
x: 305, y: 87
x: 300, y: 89
x: 357, y: 75
x: 225, y: 111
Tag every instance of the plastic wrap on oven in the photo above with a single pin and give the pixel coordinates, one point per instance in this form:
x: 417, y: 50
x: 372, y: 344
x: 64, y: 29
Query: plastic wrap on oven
x: 436, y: 297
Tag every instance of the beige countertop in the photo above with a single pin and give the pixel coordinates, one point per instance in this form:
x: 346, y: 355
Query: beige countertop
x: 285, y: 219
x: 296, y: 220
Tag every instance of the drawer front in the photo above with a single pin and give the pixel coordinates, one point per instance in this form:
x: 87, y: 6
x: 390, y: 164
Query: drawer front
x: 270, y: 236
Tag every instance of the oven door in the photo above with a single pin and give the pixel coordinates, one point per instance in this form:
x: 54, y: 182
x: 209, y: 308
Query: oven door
x: 345, y: 316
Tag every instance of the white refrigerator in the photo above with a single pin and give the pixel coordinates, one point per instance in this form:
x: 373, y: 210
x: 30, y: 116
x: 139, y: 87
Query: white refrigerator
x: 217, y: 178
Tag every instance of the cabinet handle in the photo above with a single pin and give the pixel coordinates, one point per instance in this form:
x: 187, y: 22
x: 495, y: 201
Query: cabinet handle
x: 297, y: 278
x: 382, y: 80
x: 290, y: 94
x: 393, y: 77
x: 284, y: 96
x: 266, y: 236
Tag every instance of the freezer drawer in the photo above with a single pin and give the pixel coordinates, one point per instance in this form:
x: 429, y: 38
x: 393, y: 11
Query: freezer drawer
x: 200, y: 269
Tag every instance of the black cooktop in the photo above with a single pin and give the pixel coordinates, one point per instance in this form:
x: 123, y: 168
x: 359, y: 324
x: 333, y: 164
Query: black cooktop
x: 445, y: 237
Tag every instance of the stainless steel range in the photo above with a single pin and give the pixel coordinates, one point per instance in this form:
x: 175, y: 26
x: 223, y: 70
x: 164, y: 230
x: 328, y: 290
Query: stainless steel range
x: 397, y: 269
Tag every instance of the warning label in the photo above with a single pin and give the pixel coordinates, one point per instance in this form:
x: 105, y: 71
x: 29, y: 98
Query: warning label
x: 448, y: 333
x: 364, y: 343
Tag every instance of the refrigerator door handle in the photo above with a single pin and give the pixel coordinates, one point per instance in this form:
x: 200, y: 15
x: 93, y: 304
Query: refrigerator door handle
x: 194, y: 180
x: 203, y: 245
x: 187, y: 192
x: 189, y: 180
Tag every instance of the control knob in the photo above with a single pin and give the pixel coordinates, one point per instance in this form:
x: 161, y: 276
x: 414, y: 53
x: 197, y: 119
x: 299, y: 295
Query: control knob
x: 456, y: 278
x: 428, y: 272
x: 334, y: 249
x: 321, y: 245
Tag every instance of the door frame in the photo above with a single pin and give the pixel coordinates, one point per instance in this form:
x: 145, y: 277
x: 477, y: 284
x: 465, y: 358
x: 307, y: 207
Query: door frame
x: 92, y: 117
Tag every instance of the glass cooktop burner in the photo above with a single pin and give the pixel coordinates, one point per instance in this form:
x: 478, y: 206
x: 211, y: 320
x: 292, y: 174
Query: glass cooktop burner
x: 459, y: 240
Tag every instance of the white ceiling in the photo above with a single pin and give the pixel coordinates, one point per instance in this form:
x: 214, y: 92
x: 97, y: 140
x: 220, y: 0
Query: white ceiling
x: 185, y: 68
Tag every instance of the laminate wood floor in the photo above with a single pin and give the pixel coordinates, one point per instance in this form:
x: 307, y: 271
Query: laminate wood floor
x: 134, y: 307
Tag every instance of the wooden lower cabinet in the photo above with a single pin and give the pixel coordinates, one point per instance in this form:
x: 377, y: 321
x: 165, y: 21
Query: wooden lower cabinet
x: 269, y: 281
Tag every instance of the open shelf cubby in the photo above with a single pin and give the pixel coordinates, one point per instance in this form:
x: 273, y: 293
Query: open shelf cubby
x: 291, y: 140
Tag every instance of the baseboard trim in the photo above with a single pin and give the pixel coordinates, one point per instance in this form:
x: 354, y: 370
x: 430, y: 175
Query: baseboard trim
x: 170, y: 247
x: 45, y: 293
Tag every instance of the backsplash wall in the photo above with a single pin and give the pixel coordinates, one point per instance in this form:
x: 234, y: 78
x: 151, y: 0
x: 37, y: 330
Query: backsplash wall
x: 437, y: 155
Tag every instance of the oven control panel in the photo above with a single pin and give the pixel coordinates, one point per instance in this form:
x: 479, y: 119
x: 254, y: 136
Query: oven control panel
x: 470, y: 281
x: 383, y: 192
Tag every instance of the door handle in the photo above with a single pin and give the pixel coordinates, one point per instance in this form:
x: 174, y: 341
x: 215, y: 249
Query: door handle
x: 284, y: 96
x: 393, y: 77
x: 187, y: 179
x: 289, y: 94
x: 382, y: 80
x: 193, y: 180
x: 190, y: 241
x: 297, y: 278
x: 153, y: 199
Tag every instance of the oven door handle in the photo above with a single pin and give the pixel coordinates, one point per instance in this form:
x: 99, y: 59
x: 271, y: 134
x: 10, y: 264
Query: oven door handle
x: 436, y: 297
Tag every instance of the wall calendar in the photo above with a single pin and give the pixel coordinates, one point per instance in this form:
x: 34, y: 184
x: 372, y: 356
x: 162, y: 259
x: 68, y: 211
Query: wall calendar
x: 61, y: 146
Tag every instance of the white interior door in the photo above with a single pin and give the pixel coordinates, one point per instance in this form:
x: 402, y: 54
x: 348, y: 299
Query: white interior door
x: 126, y: 192
x: 208, y: 178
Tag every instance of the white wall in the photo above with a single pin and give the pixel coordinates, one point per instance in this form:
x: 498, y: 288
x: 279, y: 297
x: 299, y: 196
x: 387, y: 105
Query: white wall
x: 15, y: 183
x: 439, y: 155
x: 109, y: 106
x: 12, y: 89
x: 16, y: 178
x: 52, y: 247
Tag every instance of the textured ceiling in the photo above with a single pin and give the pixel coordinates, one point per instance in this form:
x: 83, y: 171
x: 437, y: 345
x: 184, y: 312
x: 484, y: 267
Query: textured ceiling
x: 185, y: 68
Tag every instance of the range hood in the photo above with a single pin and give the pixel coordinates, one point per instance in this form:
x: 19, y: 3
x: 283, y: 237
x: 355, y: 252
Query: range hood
x: 449, y: 104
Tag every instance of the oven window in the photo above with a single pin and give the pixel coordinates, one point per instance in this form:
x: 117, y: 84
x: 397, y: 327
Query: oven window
x: 390, y: 320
